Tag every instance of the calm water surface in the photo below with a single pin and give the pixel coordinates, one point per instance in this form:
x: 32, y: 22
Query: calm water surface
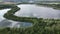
x: 28, y: 10
x: 31, y: 10
x: 9, y: 23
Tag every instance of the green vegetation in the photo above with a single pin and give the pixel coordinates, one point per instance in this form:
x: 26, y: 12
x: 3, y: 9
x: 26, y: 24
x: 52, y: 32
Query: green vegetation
x: 54, y: 6
x: 9, y: 15
x: 40, y: 26
x: 6, y: 6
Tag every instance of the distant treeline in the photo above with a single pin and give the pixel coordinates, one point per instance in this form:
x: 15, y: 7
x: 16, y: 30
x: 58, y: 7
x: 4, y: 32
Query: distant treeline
x: 3, y: 6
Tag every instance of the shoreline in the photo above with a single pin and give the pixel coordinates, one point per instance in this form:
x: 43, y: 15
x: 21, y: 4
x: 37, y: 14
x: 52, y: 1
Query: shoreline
x: 41, y: 26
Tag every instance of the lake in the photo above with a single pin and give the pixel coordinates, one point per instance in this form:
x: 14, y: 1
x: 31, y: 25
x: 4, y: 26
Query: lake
x: 32, y: 10
x: 9, y: 23
x: 28, y: 10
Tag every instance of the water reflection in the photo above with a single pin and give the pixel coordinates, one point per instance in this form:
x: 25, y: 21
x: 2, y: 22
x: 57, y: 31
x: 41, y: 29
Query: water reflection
x: 9, y: 23
x: 2, y: 12
x: 20, y: 24
x: 30, y: 10
x: 23, y: 24
x: 5, y: 23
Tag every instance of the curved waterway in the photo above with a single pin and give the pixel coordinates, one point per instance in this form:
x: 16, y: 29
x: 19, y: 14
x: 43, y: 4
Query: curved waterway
x: 9, y: 23
x: 32, y: 10
x: 28, y: 10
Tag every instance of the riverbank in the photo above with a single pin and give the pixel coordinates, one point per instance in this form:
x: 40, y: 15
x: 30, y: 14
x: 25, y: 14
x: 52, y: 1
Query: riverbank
x: 9, y: 15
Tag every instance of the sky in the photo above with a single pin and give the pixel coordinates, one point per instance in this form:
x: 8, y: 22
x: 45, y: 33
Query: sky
x: 1, y: 0
x: 33, y: 0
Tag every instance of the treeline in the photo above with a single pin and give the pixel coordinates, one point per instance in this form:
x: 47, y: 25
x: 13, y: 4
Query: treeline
x: 39, y: 28
x: 6, y: 6
x: 54, y: 6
